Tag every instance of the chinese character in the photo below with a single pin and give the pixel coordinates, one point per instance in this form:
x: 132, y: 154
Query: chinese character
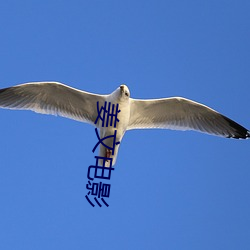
x: 104, y: 138
x: 108, y: 114
x: 100, y: 174
x: 99, y: 189
x: 102, y: 190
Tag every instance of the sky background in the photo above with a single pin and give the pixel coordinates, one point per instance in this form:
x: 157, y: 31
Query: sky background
x: 170, y: 189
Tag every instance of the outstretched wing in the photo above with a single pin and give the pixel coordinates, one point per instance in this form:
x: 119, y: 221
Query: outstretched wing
x: 52, y: 98
x: 182, y: 114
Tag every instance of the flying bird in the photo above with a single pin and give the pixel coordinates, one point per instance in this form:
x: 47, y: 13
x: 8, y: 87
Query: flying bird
x: 175, y: 113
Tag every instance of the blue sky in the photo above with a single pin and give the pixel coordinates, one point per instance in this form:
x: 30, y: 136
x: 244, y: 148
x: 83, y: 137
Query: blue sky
x: 170, y: 189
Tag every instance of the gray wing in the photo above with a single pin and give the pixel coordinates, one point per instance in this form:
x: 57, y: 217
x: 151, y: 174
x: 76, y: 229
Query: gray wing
x: 182, y: 114
x: 52, y: 98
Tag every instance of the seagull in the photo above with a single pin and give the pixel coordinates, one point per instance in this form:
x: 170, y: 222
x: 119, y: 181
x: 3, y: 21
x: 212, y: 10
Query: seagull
x: 176, y: 113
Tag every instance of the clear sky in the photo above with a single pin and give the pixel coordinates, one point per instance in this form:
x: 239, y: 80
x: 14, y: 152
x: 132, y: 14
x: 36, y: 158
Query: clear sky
x: 170, y: 189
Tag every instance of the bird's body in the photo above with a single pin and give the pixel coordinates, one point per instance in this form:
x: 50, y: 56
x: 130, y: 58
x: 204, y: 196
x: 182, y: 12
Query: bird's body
x: 167, y: 113
x: 120, y: 128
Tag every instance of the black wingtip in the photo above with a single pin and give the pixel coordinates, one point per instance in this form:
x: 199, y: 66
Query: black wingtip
x: 239, y: 131
x: 248, y: 134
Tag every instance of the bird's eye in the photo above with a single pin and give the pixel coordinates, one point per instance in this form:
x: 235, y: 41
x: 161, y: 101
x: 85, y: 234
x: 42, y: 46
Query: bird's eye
x: 126, y: 93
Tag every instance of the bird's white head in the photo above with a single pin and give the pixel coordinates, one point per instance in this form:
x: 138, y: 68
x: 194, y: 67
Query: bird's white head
x: 121, y: 94
x: 124, y: 91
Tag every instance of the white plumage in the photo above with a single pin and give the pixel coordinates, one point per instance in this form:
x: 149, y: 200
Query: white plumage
x: 167, y: 113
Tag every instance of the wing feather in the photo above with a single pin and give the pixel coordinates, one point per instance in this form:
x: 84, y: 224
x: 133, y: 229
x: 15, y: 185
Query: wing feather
x: 182, y: 114
x: 52, y: 98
